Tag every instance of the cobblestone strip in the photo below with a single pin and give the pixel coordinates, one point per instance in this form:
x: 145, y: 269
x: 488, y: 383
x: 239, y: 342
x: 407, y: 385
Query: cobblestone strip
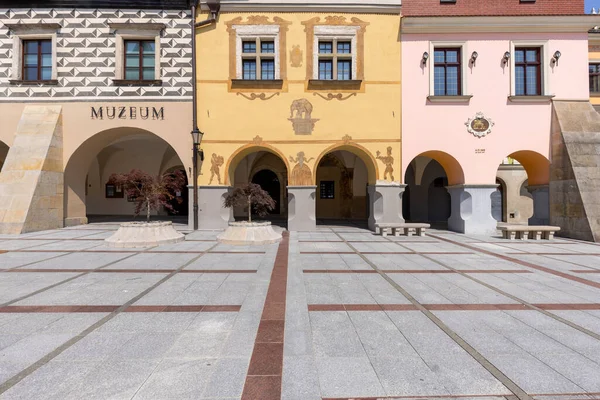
x: 485, y: 363
x: 264, y: 378
x: 50, y: 356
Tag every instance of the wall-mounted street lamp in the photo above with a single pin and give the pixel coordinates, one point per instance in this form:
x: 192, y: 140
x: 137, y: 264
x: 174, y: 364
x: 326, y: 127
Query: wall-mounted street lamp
x: 474, y: 56
x: 555, y: 57
x: 197, y: 154
x: 425, y: 58
x: 506, y: 57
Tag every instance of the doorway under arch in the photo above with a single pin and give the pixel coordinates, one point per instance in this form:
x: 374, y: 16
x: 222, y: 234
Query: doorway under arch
x: 269, y: 182
x: 342, y: 178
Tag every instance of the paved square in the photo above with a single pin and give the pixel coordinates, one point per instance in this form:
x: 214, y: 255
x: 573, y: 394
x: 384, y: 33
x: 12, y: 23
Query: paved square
x: 335, y: 314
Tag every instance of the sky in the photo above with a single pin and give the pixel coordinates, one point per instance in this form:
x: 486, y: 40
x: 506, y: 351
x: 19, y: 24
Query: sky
x: 591, y: 3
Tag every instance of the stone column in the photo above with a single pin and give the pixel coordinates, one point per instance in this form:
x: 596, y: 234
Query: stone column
x: 211, y: 213
x: 302, y: 208
x: 385, y: 203
x: 472, y: 209
x: 541, y: 205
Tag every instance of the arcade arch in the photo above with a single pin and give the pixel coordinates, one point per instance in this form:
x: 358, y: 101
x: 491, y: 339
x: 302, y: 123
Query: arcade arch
x: 266, y: 167
x: 3, y: 153
x: 112, y: 151
x: 426, y: 197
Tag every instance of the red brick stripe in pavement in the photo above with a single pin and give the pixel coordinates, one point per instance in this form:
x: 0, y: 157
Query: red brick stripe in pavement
x: 451, y: 307
x: 111, y: 308
x: 137, y: 271
x: 417, y: 271
x: 263, y: 381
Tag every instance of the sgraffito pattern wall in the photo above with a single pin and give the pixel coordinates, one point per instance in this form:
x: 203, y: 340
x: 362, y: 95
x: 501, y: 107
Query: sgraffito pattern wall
x: 86, y: 48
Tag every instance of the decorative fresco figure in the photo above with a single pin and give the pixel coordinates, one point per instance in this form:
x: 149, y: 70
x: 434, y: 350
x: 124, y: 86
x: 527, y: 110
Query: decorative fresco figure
x: 388, y: 161
x: 301, y: 174
x: 302, y: 108
x: 301, y: 117
x: 216, y: 163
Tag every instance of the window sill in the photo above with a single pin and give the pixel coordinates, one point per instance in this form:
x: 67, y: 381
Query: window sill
x: 130, y: 82
x: 531, y: 99
x: 449, y: 99
x: 256, y: 84
x: 49, y: 82
x: 318, y: 84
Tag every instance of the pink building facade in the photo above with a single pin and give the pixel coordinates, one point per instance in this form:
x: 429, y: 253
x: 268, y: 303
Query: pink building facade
x: 478, y: 89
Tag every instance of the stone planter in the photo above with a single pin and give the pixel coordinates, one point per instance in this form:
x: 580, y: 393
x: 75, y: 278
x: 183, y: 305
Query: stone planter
x: 249, y: 233
x: 143, y: 234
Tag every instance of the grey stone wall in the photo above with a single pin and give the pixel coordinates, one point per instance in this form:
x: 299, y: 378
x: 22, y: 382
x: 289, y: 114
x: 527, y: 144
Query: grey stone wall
x: 575, y: 170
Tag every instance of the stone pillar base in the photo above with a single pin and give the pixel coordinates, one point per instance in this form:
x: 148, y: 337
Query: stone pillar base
x: 302, y: 208
x: 385, y: 204
x: 541, y: 205
x: 76, y: 221
x: 211, y: 213
x: 472, y: 209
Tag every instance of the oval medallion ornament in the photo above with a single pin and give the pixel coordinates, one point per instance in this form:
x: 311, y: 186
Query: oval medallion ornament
x: 479, y: 126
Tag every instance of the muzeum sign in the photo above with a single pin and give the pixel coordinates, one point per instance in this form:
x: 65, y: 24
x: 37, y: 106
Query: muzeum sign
x: 121, y: 112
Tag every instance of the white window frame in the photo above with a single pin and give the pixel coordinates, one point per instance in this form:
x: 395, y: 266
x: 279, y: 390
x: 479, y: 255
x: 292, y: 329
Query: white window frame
x: 464, y: 60
x: 24, y: 32
x: 253, y: 32
x: 544, y: 63
x: 124, y: 32
x: 340, y: 33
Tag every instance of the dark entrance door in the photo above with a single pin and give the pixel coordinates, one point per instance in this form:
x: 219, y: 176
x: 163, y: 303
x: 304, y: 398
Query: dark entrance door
x: 268, y: 180
x: 180, y: 202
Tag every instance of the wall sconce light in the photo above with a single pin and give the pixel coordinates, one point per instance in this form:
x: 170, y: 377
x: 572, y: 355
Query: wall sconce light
x: 506, y: 57
x: 474, y: 56
x: 555, y: 57
x: 425, y: 58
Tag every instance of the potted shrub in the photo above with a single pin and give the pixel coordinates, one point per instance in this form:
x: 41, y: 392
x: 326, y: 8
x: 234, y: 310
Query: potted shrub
x: 148, y: 193
x: 258, y: 202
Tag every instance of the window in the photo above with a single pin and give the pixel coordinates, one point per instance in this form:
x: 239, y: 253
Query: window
x: 447, y: 72
x: 327, y: 190
x: 594, y: 78
x: 335, y: 60
x: 37, y: 60
x: 140, y: 60
x: 258, y: 64
x: 528, y: 71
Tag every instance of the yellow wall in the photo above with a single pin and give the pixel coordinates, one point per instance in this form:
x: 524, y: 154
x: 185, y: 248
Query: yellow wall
x: 370, y: 115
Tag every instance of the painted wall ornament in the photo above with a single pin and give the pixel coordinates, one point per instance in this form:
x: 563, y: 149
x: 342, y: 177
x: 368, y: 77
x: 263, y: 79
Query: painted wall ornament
x: 301, y: 174
x: 257, y: 140
x: 479, y: 126
x: 301, y: 117
x: 216, y: 162
x: 296, y: 56
x: 388, y: 161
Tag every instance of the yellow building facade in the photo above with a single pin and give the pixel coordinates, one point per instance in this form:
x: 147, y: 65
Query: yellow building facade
x: 306, y: 104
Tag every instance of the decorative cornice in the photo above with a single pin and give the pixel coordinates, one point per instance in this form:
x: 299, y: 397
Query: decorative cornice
x: 483, y: 24
x: 350, y: 6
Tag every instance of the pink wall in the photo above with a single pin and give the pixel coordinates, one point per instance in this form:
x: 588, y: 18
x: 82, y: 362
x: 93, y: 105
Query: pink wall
x: 441, y: 127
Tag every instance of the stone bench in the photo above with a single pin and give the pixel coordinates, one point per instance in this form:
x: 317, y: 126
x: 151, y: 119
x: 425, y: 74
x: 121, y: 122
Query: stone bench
x: 407, y: 227
x: 525, y: 232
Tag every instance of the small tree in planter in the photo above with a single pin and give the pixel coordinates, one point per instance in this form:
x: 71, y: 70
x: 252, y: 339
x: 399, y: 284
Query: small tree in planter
x: 252, y: 196
x: 149, y: 192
